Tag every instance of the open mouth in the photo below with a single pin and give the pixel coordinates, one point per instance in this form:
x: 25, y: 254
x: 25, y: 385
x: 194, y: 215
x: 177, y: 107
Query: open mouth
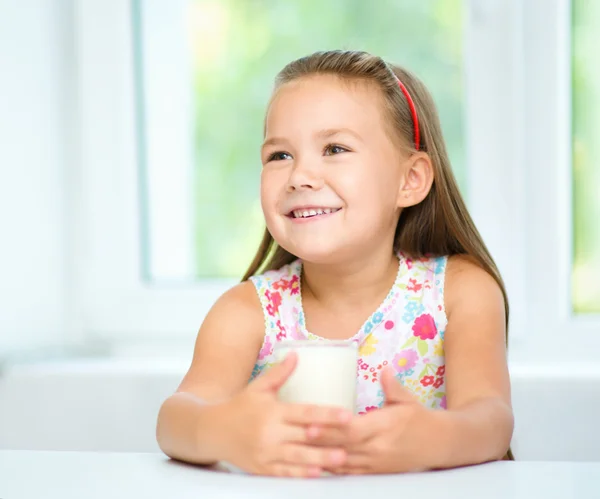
x: 312, y: 212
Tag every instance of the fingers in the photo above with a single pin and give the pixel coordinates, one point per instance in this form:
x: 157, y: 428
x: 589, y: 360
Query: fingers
x: 295, y: 434
x: 273, y: 379
x: 318, y: 436
x: 327, y: 436
x: 295, y: 456
x: 367, y: 426
x: 351, y: 470
x: 394, y: 391
x: 357, y: 460
x: 315, y: 415
x: 295, y: 470
x: 356, y: 463
x: 319, y: 457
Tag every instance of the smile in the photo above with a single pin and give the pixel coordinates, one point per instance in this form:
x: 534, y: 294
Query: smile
x: 312, y: 212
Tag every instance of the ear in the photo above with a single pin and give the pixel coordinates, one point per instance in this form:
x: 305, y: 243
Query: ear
x: 417, y: 180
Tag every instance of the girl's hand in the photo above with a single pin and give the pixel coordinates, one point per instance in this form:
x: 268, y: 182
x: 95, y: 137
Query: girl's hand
x: 400, y: 437
x: 268, y: 437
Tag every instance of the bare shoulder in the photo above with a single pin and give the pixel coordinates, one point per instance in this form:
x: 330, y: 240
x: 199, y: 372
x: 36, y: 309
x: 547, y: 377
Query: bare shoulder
x: 242, y: 298
x: 468, y: 286
x: 227, y: 344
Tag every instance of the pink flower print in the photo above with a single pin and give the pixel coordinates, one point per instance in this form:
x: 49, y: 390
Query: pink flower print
x: 369, y: 409
x: 389, y: 325
x: 409, y: 263
x: 443, y: 404
x: 274, y: 302
x: 295, y: 285
x: 413, y: 286
x: 282, y: 333
x: 405, y: 360
x: 266, y: 349
x: 281, y: 284
x: 424, y: 327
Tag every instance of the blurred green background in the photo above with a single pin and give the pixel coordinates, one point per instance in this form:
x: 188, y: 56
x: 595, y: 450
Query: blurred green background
x: 239, y: 47
x: 586, y: 156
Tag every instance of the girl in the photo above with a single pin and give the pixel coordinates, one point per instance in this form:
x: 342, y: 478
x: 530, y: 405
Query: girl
x: 367, y: 240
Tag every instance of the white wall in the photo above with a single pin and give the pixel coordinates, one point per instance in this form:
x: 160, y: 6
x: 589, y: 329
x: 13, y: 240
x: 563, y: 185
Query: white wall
x: 34, y: 121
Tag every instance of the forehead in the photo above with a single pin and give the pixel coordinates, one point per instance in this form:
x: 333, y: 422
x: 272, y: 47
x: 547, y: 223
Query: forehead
x: 320, y: 102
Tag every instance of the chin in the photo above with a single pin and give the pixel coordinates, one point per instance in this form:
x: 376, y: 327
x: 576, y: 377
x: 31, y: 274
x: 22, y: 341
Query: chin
x: 320, y: 254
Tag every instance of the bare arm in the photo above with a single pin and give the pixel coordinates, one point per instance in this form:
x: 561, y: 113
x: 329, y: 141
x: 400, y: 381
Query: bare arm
x: 480, y: 421
x: 191, y: 422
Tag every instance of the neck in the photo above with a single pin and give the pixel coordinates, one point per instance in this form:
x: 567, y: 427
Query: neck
x: 359, y: 281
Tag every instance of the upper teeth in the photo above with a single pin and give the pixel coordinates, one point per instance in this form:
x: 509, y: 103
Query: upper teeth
x: 312, y: 212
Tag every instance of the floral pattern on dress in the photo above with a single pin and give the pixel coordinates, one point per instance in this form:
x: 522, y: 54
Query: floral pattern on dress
x: 406, y: 331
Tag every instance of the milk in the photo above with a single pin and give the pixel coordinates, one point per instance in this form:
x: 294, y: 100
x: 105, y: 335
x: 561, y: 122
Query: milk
x: 325, y: 373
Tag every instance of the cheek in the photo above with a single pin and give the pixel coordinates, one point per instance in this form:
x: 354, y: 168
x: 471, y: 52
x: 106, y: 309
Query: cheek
x: 270, y: 191
x: 370, y: 189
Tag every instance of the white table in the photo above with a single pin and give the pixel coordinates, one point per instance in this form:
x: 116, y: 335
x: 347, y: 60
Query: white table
x: 87, y: 475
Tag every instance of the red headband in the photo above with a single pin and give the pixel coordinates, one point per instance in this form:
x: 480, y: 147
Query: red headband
x: 413, y: 112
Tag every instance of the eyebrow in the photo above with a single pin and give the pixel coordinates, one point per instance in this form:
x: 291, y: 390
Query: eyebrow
x: 330, y: 132
x: 321, y: 134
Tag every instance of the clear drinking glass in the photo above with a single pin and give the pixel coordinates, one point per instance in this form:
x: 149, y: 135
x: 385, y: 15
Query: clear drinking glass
x: 325, y: 373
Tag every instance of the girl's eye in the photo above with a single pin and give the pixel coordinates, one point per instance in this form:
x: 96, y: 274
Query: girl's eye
x: 333, y: 149
x: 279, y: 156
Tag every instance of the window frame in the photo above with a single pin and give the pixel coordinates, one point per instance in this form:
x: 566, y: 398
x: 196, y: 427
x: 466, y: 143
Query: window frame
x: 116, y: 303
x: 510, y: 188
x: 547, y: 56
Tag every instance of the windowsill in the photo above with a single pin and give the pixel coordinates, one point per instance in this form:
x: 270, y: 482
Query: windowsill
x: 159, y: 359
x: 105, y: 402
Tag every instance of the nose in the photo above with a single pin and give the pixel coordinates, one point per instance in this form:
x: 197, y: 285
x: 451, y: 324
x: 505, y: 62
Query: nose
x: 303, y: 177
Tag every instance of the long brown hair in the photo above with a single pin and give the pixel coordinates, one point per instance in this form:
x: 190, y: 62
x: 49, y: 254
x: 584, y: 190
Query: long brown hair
x: 438, y: 226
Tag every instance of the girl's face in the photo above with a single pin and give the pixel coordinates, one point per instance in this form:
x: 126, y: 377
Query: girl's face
x: 332, y: 177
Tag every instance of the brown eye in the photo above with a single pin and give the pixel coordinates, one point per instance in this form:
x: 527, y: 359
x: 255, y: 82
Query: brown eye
x: 279, y: 156
x: 333, y: 149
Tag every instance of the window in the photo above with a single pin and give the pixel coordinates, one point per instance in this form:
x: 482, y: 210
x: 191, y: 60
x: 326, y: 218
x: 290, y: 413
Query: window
x: 205, y: 72
x: 586, y: 157
x: 171, y: 102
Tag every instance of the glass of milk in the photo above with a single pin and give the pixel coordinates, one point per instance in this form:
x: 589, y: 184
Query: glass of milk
x: 325, y: 373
